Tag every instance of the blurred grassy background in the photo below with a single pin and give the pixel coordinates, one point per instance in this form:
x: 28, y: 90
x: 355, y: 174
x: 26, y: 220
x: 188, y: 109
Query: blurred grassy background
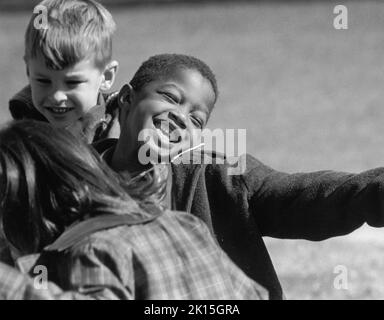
x: 309, y: 96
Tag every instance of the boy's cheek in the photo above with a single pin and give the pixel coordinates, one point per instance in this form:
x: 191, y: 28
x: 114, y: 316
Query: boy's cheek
x: 195, y: 136
x: 152, y: 107
x: 35, y: 96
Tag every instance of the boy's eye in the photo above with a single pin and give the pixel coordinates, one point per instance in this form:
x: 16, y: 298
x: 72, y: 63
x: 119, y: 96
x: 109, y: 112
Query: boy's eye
x: 170, y: 97
x: 197, y: 122
x: 43, y: 81
x: 74, y: 82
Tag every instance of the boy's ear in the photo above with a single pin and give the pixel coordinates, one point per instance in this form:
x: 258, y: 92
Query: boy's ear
x: 109, y: 75
x: 124, y: 100
x: 125, y: 95
x: 26, y: 66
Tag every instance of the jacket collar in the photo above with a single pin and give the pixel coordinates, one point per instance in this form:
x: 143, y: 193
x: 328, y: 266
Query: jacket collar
x: 83, y: 229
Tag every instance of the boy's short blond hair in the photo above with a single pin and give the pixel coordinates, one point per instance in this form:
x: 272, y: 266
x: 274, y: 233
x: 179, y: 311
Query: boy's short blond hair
x: 75, y: 30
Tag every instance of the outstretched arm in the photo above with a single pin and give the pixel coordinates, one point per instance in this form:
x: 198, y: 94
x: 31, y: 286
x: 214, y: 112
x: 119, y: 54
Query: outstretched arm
x: 316, y: 205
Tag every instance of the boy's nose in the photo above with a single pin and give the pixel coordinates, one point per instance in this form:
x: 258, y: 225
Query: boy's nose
x: 179, y: 119
x: 58, y: 96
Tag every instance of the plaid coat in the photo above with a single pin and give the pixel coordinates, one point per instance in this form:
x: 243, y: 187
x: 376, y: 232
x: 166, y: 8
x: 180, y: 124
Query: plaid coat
x: 172, y: 256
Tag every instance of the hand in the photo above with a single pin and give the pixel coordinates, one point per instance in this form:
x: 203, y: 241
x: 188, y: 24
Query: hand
x: 85, y: 127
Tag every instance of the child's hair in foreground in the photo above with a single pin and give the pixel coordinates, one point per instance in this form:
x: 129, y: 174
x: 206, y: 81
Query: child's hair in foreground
x: 162, y: 65
x: 49, y: 179
x: 76, y: 29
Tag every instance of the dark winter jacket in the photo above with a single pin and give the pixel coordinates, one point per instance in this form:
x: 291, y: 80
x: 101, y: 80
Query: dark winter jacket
x: 241, y: 209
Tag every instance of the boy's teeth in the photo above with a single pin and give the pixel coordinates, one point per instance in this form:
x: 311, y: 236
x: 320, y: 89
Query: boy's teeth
x: 168, y: 130
x: 172, y: 136
x: 59, y: 110
x: 164, y: 131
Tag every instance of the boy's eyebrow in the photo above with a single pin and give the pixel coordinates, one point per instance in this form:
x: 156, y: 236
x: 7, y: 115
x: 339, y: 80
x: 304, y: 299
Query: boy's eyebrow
x: 75, y: 77
x: 170, y: 84
x: 201, y: 107
x: 76, y: 74
x: 40, y: 75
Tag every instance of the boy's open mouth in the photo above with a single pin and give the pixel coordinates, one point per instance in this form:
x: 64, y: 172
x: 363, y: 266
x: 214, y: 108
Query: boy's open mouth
x: 58, y: 110
x: 168, y: 129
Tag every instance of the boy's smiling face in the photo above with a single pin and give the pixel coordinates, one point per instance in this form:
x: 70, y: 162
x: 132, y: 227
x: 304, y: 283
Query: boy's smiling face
x: 171, y: 107
x: 64, y: 96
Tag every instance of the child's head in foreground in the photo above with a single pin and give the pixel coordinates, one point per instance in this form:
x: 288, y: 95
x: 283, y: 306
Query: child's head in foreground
x: 69, y: 58
x: 50, y: 179
x: 171, y: 95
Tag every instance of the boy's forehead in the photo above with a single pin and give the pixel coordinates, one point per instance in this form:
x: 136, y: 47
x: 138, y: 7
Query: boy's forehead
x: 187, y: 79
x: 39, y: 64
x: 181, y: 75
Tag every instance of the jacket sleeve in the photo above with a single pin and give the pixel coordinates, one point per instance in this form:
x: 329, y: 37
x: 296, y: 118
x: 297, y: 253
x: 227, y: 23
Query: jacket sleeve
x: 89, y: 271
x: 96, y: 270
x: 92, y: 270
x: 15, y: 285
x: 315, y: 205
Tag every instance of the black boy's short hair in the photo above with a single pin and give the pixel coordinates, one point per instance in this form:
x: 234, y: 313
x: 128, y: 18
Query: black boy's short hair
x: 163, y: 65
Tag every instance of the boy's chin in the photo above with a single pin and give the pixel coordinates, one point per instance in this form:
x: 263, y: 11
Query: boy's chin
x: 75, y: 127
x: 59, y: 123
x: 150, y: 152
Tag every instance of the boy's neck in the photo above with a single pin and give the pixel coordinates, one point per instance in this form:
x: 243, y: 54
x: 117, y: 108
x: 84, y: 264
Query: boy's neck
x: 125, y: 159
